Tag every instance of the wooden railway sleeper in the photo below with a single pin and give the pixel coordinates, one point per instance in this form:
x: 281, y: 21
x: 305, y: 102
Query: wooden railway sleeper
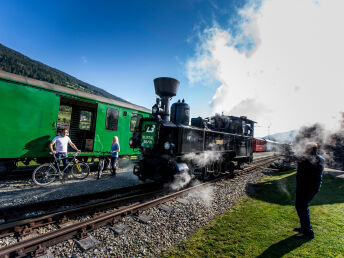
x: 115, y: 220
x: 82, y: 234
x: 20, y: 252
x: 18, y: 229
x: 97, y: 213
x: 26, y: 232
x: 40, y: 251
x: 48, y: 222
x: 91, y: 227
x: 64, y: 220
x: 33, y: 225
x: 6, y: 233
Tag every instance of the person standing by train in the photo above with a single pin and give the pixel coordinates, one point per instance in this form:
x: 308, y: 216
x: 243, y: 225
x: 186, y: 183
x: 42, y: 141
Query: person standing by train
x: 115, y: 149
x: 308, y: 182
x: 62, y: 142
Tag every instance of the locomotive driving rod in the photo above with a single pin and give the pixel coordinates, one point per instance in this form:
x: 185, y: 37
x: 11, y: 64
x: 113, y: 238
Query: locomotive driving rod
x: 38, y: 243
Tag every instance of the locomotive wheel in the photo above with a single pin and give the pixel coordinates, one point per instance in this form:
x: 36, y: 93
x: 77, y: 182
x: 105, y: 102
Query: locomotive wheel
x: 240, y: 165
x: 195, y: 171
x: 231, y: 168
x: 217, y: 169
x: 207, y: 173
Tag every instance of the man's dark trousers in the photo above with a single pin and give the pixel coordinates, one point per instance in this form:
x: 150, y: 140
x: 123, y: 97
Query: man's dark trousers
x: 303, y: 198
x: 64, y: 158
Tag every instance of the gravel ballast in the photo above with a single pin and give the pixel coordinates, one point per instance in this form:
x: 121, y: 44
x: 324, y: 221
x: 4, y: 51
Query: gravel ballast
x: 166, y: 228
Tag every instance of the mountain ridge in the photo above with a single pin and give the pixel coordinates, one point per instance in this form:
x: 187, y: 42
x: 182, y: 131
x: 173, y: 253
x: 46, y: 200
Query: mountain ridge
x: 283, y: 137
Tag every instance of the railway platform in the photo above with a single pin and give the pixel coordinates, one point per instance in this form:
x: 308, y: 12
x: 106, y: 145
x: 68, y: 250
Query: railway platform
x: 24, y: 191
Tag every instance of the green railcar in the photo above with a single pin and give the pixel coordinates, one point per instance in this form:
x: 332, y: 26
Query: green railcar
x: 32, y: 112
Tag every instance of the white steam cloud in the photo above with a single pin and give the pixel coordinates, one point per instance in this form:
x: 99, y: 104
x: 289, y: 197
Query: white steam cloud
x: 180, y: 180
x: 283, y: 67
x: 204, y: 158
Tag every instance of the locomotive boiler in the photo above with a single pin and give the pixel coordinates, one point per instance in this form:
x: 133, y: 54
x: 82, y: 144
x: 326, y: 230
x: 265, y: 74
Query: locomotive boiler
x: 170, y: 145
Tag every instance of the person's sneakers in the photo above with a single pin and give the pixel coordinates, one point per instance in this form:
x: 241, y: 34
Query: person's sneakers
x: 297, y: 229
x: 305, y: 236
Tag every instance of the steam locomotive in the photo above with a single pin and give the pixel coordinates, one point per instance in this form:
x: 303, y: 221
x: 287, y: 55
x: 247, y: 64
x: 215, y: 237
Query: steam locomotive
x: 170, y: 146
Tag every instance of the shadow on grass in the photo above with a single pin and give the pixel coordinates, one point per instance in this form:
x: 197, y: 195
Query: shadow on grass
x: 283, y: 247
x: 282, y: 191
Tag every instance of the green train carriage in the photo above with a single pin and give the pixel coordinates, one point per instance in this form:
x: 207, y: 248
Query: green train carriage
x: 33, y: 111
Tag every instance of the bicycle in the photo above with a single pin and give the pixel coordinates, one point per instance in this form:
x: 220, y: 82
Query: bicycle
x: 102, y: 160
x: 47, y: 173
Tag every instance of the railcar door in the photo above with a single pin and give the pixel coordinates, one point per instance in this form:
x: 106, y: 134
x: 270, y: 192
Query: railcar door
x: 79, y: 118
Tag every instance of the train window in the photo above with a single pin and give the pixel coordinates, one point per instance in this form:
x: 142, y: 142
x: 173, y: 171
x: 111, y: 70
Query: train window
x: 64, y: 117
x: 111, y: 119
x: 85, y: 120
x: 134, y: 122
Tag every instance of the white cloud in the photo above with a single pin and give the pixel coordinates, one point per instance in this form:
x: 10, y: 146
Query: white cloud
x: 285, y: 68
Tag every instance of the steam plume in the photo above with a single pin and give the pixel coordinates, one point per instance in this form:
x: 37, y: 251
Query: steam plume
x: 285, y: 55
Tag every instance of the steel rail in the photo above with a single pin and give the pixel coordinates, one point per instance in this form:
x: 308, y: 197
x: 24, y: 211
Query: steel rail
x: 18, y: 226
x: 81, y: 228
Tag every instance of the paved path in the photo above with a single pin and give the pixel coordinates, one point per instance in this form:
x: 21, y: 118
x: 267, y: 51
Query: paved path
x: 13, y: 192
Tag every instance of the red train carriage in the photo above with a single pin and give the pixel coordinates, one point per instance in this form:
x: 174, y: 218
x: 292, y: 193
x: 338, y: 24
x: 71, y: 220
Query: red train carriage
x: 259, y: 145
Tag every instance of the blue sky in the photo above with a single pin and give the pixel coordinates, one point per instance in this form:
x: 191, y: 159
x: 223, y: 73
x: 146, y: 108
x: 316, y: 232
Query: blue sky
x: 120, y: 46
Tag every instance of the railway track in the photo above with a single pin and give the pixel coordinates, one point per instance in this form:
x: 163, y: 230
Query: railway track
x: 31, y: 243
x: 37, y: 209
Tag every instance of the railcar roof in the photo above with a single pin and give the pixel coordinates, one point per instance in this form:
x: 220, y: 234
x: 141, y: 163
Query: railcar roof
x: 63, y: 89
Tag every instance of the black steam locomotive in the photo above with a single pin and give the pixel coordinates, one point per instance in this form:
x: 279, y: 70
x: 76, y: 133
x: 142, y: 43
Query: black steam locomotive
x: 170, y: 146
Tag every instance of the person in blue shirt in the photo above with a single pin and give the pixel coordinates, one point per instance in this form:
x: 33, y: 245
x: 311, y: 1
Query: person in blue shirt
x: 115, y: 149
x: 310, y: 169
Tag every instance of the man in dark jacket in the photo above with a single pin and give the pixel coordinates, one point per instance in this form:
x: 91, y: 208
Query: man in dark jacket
x: 308, y: 181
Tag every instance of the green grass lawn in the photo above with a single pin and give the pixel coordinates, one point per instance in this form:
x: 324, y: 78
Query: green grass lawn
x: 261, y: 225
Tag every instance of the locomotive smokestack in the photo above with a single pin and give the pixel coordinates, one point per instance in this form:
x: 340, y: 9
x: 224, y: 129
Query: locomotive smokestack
x: 165, y: 88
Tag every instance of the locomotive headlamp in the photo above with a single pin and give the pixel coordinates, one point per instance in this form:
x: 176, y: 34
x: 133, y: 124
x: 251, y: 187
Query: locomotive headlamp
x: 167, y: 145
x: 131, y: 141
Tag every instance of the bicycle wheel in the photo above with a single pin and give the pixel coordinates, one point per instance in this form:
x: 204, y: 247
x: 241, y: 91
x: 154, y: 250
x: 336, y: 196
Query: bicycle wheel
x: 44, y: 174
x: 80, y: 170
x: 101, y: 164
